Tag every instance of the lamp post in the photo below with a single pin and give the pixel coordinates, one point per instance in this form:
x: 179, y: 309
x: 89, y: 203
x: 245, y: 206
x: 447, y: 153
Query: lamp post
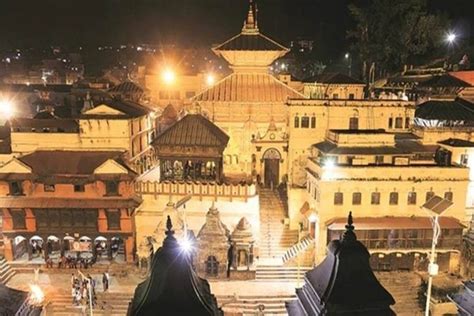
x: 435, y: 207
x: 348, y: 58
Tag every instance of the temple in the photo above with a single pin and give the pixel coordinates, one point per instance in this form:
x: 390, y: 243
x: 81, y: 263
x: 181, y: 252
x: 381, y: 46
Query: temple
x: 343, y: 284
x: 191, y: 149
x: 173, y: 288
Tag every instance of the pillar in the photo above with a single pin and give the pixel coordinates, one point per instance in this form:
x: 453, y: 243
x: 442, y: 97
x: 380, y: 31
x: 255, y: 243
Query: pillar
x: 8, y: 247
x: 29, y: 249
x: 109, y: 249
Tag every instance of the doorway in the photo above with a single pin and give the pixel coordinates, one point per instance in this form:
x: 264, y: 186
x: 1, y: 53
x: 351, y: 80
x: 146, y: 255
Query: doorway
x: 271, y: 160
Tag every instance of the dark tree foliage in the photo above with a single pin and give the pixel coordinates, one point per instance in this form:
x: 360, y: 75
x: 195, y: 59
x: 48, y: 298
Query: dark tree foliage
x: 393, y: 33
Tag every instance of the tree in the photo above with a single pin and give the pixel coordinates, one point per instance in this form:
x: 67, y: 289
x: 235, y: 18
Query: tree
x: 393, y: 33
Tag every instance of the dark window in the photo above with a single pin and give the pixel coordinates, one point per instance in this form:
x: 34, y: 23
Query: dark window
x: 393, y: 198
x: 335, y: 96
x: 297, y: 121
x: 79, y: 188
x: 91, y: 218
x: 66, y: 218
x: 375, y: 199
x: 18, y: 218
x: 390, y: 122
x: 305, y: 122
x: 113, y: 219
x: 354, y: 123
x: 351, y: 96
x: 54, y: 218
x: 399, y: 122
x: 378, y: 160
x: 407, y: 122
x: 111, y: 188
x: 41, y: 217
x: 356, y: 198
x: 429, y: 195
x: 338, y: 198
x: 411, y: 198
x: 212, y: 266
x: 16, y: 188
x: 448, y: 196
x: 49, y: 188
x: 313, y: 122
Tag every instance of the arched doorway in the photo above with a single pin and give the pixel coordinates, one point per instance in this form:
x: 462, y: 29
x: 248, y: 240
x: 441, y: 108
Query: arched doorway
x: 101, y: 248
x: 19, y: 246
x: 36, y: 244
x: 117, y: 248
x: 271, y: 159
x: 53, y: 247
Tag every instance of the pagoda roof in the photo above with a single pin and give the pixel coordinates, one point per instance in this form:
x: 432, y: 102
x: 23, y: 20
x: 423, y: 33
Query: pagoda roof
x: 193, y: 130
x: 450, y: 110
x: 343, y: 284
x: 250, y: 42
x: 445, y: 80
x: 248, y: 87
x: 173, y: 288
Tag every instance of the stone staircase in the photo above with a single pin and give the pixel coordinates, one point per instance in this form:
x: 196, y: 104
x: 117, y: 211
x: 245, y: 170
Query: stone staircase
x: 298, y: 249
x: 110, y: 304
x: 6, y: 272
x: 249, y: 304
x: 404, y: 287
x: 275, y: 237
x: 281, y: 273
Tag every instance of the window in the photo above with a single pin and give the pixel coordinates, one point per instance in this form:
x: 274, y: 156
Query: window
x: 390, y: 122
x: 212, y: 266
x: 113, y: 219
x: 429, y: 195
x: 407, y: 122
x: 351, y: 96
x: 393, y: 198
x: 378, y: 160
x: 464, y: 159
x: 190, y: 94
x: 305, y: 122
x: 79, y: 188
x: 448, y: 196
x: 375, y: 198
x: 335, y: 96
x: 18, y: 218
x: 297, y: 121
x: 354, y: 123
x: 313, y: 122
x: 356, y: 198
x: 16, y: 188
x: 49, y: 188
x: 111, y: 188
x: 399, y: 122
x: 411, y: 198
x: 338, y: 198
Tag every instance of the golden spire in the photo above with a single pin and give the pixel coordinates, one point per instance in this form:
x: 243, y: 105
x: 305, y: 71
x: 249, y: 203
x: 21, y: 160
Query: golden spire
x: 251, y: 24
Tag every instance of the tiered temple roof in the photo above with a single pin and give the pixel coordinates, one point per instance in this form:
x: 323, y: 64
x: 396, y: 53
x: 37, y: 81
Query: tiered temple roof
x: 343, y: 284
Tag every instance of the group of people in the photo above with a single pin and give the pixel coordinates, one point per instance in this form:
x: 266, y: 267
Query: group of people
x: 83, y: 291
x: 71, y: 263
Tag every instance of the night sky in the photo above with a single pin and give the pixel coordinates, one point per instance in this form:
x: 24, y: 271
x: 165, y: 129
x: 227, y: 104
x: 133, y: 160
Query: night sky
x: 188, y: 22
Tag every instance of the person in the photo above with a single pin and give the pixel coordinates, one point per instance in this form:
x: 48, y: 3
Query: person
x: 230, y: 258
x: 73, y: 280
x: 105, y: 281
x: 49, y: 263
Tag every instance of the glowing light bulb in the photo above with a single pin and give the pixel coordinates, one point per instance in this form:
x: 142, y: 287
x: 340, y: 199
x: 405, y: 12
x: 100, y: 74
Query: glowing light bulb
x: 169, y: 76
x: 210, y: 79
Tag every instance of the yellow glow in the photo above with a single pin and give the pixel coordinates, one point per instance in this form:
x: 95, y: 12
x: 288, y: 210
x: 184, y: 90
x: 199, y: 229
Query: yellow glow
x: 210, y: 79
x: 36, y: 294
x: 6, y: 109
x: 169, y: 77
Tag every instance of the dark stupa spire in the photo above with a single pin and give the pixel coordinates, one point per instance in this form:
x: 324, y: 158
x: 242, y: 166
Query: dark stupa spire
x: 343, y: 284
x: 173, y: 288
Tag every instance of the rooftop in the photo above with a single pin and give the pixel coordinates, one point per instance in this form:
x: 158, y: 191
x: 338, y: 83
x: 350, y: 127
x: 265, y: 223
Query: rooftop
x: 455, y: 142
x: 451, y: 110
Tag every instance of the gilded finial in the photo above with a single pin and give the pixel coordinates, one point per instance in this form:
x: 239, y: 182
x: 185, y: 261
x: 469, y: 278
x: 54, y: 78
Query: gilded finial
x: 349, y: 234
x: 169, y: 226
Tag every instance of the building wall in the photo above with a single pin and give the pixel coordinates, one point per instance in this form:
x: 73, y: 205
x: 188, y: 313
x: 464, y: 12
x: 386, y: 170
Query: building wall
x: 331, y: 114
x: 333, y: 91
x: 347, y: 180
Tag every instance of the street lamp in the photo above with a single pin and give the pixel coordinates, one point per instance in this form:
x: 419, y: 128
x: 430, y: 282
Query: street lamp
x: 348, y: 58
x: 450, y: 38
x: 313, y: 220
x: 210, y: 80
x: 435, y: 207
x: 6, y: 109
x: 168, y: 76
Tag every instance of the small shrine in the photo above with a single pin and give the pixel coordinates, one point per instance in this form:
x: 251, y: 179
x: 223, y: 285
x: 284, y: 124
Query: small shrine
x: 191, y: 150
x: 243, y: 242
x: 343, y: 284
x: 173, y: 288
x: 212, y: 247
